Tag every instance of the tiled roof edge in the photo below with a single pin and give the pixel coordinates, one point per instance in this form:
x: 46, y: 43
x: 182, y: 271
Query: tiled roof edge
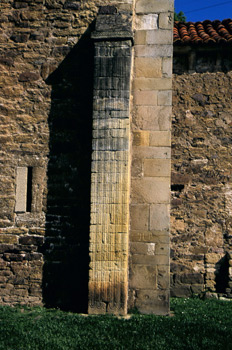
x: 205, y: 32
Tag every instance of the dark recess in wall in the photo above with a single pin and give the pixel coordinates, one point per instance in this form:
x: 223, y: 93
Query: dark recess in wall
x: 177, y: 188
x: 29, y: 189
x: 66, y: 249
x: 222, y: 274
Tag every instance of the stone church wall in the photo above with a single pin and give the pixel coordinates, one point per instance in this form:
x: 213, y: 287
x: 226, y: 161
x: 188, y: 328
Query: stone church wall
x: 201, y: 235
x: 46, y: 112
x: 45, y: 109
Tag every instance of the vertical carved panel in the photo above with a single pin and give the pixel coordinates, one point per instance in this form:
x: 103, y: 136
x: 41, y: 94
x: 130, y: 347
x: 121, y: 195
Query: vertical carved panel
x: 108, y: 281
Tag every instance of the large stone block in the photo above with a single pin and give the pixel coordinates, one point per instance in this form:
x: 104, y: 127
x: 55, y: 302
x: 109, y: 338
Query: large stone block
x: 159, y: 37
x: 145, y: 98
x: 160, y: 216
x: 151, y: 260
x: 152, y: 6
x: 167, y: 67
x: 166, y: 20
x: 160, y: 138
x: 136, y: 167
x: 142, y: 248
x: 150, y: 301
x: 163, y: 248
x: 154, y: 118
x: 141, y: 138
x: 139, y: 215
x: 153, y: 50
x: 165, y: 98
x: 152, y: 236
x: 140, y: 37
x: 163, y: 277
x: 150, y: 190
x: 157, y: 167
x: 146, y: 22
x: 148, y: 67
x: 151, y: 152
x: 152, y: 84
x: 143, y: 277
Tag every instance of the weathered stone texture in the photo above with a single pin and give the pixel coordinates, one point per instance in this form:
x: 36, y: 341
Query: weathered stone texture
x: 201, y: 183
x: 108, y: 275
x: 45, y: 111
x: 151, y: 153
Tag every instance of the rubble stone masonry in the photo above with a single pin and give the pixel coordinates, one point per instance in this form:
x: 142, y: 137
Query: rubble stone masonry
x: 45, y: 146
x: 201, y: 236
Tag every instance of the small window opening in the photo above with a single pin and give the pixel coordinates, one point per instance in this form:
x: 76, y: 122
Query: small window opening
x: 23, y: 189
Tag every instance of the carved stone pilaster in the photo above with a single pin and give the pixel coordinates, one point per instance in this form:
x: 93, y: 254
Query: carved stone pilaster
x: 108, y: 277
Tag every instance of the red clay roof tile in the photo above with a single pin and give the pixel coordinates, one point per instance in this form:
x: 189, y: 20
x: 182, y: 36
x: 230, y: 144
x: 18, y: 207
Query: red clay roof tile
x: 203, y: 32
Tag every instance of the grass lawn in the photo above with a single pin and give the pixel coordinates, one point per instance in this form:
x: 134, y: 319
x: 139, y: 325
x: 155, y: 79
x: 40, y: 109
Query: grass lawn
x: 196, y: 325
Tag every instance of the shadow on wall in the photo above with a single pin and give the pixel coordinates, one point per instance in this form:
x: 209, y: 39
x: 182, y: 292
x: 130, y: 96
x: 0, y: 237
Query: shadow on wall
x: 66, y: 250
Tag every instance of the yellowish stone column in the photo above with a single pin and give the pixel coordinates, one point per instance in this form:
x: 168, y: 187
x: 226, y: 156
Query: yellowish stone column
x: 108, y: 276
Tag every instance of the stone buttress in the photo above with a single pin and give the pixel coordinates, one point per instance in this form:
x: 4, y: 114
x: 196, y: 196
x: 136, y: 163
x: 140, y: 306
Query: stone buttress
x: 151, y: 157
x: 140, y: 169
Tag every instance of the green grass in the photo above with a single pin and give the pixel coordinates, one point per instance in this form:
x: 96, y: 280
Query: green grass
x: 196, y: 325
